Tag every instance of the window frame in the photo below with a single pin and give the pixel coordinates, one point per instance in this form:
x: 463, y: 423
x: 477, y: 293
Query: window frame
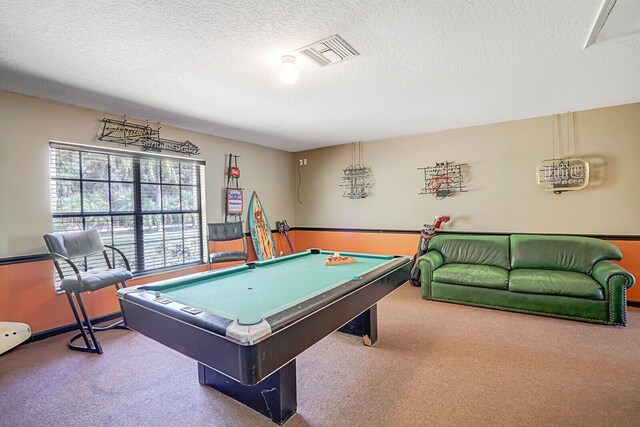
x: 137, y: 213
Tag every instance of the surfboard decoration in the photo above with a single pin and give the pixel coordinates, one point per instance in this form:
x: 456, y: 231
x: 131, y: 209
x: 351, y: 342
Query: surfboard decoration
x: 12, y: 334
x: 260, y: 230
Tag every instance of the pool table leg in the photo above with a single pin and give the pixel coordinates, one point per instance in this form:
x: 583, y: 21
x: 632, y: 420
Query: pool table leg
x: 274, y: 396
x: 364, y: 325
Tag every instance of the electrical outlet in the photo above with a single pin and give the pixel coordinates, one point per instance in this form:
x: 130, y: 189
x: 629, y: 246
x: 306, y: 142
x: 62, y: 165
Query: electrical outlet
x: 304, y: 162
x: 300, y: 162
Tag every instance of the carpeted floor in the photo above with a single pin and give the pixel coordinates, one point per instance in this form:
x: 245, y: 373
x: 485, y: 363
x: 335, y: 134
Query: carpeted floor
x: 434, y: 364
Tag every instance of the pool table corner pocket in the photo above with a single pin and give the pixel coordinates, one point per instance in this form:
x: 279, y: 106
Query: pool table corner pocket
x: 248, y: 334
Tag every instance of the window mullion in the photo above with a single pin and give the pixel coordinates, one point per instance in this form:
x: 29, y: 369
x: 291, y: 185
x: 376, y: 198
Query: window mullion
x: 113, y: 254
x: 183, y: 243
x: 199, y: 201
x: 138, y: 220
x: 84, y: 220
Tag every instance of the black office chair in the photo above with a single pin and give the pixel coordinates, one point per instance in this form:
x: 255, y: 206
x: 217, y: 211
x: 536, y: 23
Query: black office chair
x: 72, y: 244
x: 224, y: 232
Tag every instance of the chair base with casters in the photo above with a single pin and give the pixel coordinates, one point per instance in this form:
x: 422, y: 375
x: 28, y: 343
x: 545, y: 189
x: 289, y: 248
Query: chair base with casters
x: 72, y: 244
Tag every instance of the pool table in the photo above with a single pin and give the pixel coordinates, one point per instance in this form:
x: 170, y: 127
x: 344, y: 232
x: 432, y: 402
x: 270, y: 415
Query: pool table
x: 245, y: 325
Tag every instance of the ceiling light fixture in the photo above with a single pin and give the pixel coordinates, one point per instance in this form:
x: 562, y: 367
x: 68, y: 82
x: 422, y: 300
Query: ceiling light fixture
x: 288, y: 71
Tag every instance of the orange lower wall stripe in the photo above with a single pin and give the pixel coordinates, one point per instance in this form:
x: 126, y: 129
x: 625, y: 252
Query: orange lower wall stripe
x: 631, y: 262
x: 407, y: 244
x: 27, y: 293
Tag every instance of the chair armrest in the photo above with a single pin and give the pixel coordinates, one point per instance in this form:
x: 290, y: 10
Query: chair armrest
x: 605, y: 271
x: 432, y: 259
x: 57, y: 256
x: 427, y: 263
x: 615, y: 280
x: 67, y: 260
x: 126, y: 261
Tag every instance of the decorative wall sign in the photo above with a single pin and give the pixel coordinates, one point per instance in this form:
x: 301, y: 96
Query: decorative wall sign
x: 559, y: 175
x: 356, y: 179
x: 123, y: 132
x: 234, y: 201
x: 443, y: 179
x: 356, y: 176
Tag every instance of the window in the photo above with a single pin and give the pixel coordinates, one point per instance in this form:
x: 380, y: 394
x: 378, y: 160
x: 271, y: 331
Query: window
x: 148, y: 206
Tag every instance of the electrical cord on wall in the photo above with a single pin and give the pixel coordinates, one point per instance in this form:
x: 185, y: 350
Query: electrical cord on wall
x: 299, y: 181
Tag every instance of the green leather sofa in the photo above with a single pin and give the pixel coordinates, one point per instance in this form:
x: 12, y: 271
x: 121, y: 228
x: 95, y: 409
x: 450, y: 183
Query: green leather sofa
x: 560, y: 276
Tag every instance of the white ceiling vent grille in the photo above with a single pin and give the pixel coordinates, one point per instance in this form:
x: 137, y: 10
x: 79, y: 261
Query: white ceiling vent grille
x: 329, y: 51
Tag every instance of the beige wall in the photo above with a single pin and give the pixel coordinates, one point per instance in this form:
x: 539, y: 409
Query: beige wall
x: 503, y: 195
x: 28, y: 124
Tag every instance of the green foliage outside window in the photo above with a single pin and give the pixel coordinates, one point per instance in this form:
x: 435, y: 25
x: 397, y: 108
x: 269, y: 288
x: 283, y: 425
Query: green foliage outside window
x: 99, y: 190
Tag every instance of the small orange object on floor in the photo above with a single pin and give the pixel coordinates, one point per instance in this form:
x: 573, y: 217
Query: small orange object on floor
x: 337, y: 259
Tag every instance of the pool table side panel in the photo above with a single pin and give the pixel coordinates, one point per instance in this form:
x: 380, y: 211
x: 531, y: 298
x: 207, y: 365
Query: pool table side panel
x: 286, y: 344
x: 200, y: 344
x: 205, y: 320
x: 304, y: 308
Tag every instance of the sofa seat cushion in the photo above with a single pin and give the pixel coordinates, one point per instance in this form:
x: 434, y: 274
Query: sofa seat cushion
x: 482, y: 276
x: 552, y: 282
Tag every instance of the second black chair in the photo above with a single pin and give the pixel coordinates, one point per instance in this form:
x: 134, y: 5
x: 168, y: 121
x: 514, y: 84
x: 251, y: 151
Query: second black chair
x: 225, y: 232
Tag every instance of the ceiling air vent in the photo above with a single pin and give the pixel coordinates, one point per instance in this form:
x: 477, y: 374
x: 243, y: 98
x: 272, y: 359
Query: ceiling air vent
x: 329, y: 51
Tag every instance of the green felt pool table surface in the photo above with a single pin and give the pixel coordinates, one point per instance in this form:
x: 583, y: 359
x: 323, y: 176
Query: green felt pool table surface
x: 249, y: 295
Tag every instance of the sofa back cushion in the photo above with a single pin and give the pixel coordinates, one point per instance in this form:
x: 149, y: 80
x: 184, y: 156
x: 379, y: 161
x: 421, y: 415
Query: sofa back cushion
x: 568, y: 253
x: 467, y: 249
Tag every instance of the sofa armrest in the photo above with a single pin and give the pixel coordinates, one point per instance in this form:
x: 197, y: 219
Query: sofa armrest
x: 427, y: 263
x: 605, y: 271
x: 615, y: 280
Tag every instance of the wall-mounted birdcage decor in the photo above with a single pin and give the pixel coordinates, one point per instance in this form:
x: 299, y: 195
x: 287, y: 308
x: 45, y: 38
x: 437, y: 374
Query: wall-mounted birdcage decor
x: 356, y: 177
x: 444, y: 179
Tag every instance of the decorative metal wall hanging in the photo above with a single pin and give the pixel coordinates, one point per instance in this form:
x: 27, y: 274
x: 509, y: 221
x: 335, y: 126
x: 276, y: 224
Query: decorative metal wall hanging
x: 234, y: 197
x: 560, y: 175
x: 443, y: 179
x: 566, y: 173
x: 123, y: 132
x: 357, y: 176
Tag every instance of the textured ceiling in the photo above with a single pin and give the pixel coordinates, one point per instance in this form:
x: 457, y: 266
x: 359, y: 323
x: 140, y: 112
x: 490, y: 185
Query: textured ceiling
x: 212, y: 66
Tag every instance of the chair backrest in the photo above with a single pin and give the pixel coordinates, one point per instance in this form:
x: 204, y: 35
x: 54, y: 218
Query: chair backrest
x: 73, y: 244
x: 222, y: 232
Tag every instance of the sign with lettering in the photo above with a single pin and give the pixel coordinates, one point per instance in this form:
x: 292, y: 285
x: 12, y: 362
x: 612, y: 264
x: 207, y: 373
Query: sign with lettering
x: 123, y: 132
x: 560, y: 175
x: 234, y: 201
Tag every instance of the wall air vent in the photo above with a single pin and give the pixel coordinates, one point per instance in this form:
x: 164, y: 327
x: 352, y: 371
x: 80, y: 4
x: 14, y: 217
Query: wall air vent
x: 329, y: 51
